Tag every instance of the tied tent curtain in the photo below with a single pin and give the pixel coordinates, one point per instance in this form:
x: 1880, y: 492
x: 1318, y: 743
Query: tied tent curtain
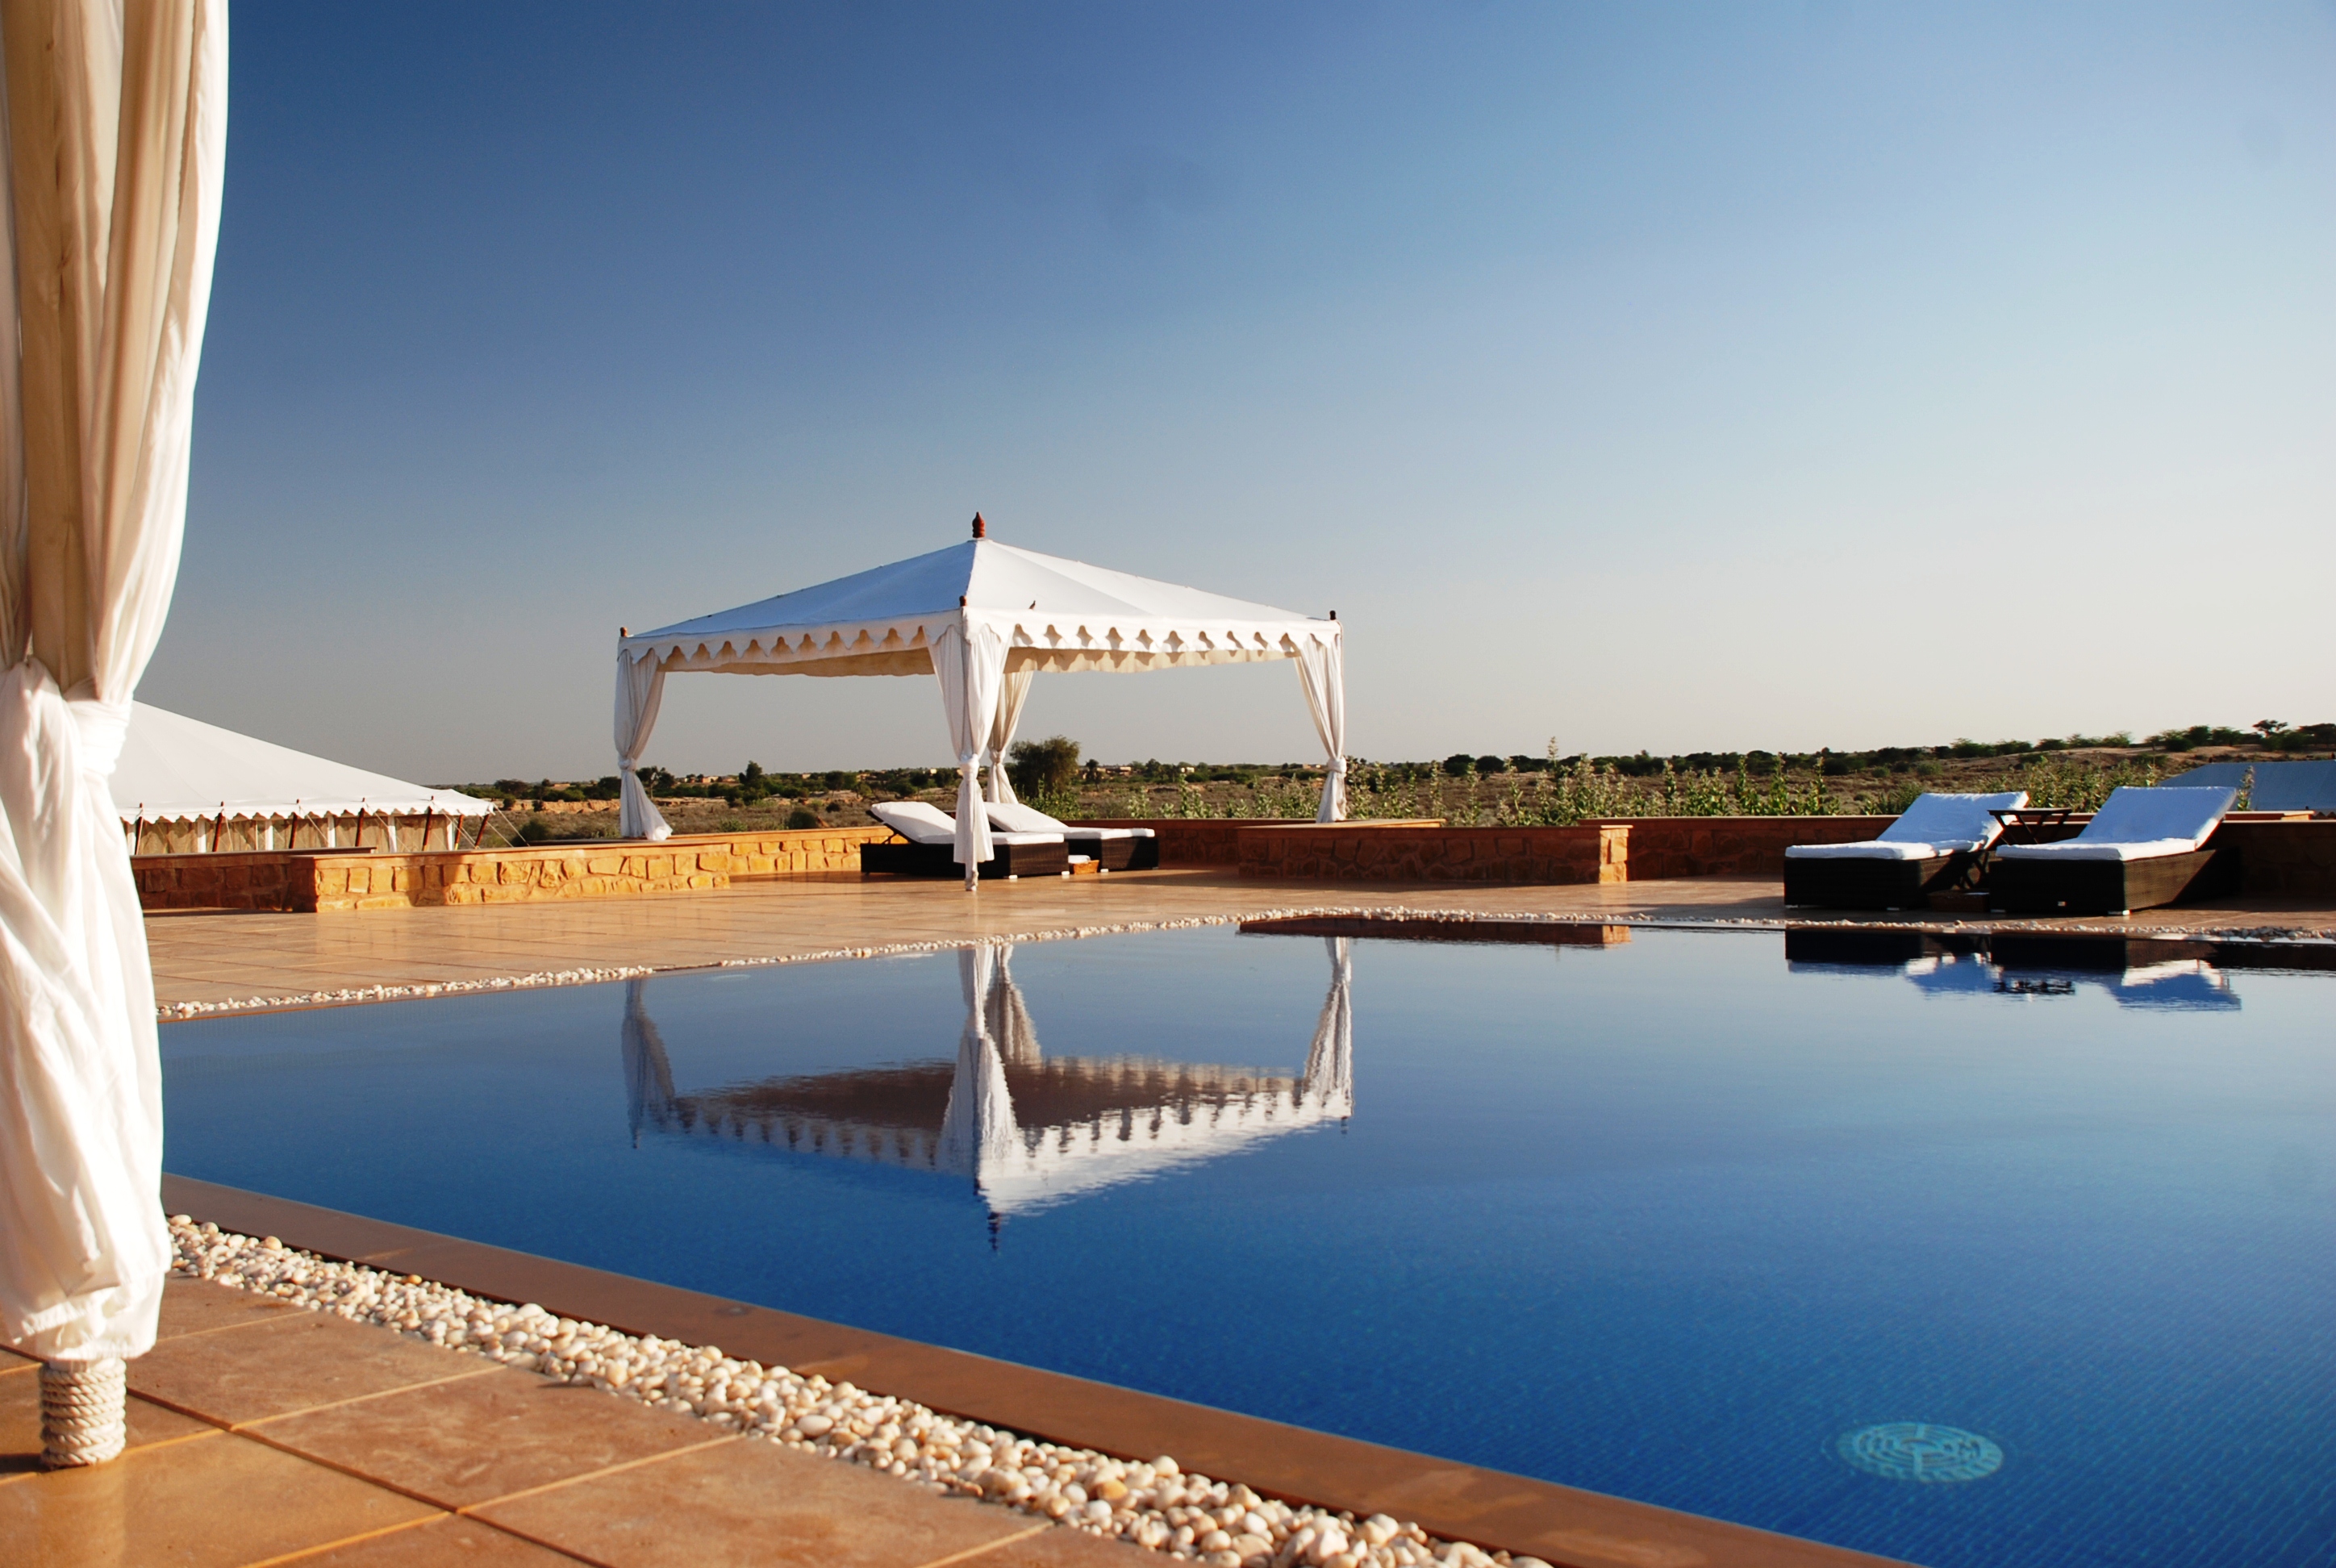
x: 1011, y: 696
x: 117, y: 135
x: 969, y: 659
x: 977, y: 1129
x: 1329, y: 1077
x: 1321, y: 671
x: 640, y: 688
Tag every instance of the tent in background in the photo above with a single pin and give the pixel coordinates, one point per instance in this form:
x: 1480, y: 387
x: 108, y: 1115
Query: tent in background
x: 2279, y: 786
x: 183, y: 786
x: 984, y: 618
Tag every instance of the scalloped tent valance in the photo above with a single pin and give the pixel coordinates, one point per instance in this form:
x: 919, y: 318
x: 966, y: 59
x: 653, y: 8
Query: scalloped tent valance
x: 983, y: 617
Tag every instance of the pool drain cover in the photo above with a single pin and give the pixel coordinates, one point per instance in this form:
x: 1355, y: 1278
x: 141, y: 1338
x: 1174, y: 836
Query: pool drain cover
x: 1918, y: 1451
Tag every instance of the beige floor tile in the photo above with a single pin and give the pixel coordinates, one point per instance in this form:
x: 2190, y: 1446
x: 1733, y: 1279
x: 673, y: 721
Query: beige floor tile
x: 464, y: 1443
x: 207, y: 1503
x: 20, y: 1425
x: 288, y: 1364
x: 750, y: 1503
x: 1061, y: 1548
x: 200, y: 1306
x: 448, y: 1541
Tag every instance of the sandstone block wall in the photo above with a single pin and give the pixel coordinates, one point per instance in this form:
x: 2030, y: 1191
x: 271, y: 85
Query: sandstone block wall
x: 330, y: 882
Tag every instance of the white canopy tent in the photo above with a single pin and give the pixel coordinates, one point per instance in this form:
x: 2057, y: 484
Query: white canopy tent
x: 1086, y: 1123
x: 176, y: 769
x: 983, y: 617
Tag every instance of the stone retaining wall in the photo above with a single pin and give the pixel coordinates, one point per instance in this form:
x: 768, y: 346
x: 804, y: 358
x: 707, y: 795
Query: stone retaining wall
x: 1665, y: 847
x: 1431, y: 853
x: 2282, y: 859
x: 310, y: 880
x: 1192, y: 841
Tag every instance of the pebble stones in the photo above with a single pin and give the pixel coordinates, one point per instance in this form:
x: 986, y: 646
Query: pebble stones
x: 1157, y: 1504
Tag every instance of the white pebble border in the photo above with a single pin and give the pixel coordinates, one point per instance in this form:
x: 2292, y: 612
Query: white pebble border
x: 1157, y: 1504
x: 170, y: 1012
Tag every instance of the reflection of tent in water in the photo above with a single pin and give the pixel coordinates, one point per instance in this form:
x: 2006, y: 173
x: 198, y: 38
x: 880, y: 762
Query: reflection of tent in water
x: 2153, y: 973
x: 1026, y: 1129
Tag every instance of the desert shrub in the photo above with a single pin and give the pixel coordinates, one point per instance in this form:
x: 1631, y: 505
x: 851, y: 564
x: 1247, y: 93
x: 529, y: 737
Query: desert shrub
x: 1044, y: 767
x: 802, y: 817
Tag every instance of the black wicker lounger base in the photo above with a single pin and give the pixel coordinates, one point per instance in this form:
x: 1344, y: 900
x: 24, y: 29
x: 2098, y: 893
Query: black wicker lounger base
x: 1050, y: 859
x: 1130, y: 854
x: 1858, y: 882
x: 2068, y: 887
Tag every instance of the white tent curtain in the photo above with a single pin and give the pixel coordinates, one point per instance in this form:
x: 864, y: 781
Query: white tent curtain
x: 969, y: 659
x: 1009, y: 1015
x: 117, y: 127
x: 648, y: 1075
x: 641, y: 687
x: 978, y: 1130
x: 1322, y: 672
x: 1331, y: 1061
x: 1011, y: 696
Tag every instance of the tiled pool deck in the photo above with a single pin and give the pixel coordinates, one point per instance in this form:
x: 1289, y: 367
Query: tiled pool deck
x: 227, y: 957
x: 265, y: 1433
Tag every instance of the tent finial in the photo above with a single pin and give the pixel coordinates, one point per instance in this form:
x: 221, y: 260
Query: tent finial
x: 627, y: 631
x: 980, y: 528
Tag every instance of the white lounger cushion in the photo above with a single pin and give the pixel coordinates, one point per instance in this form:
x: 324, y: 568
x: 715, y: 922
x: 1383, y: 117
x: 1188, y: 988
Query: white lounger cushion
x: 925, y: 824
x: 915, y: 822
x: 2139, y: 824
x: 1933, y: 825
x: 1871, y: 850
x: 2077, y: 848
x: 1019, y: 818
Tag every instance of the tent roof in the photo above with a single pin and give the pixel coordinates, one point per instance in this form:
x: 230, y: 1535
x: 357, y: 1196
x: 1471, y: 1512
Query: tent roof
x: 1053, y: 613
x: 174, y: 767
x: 2279, y: 786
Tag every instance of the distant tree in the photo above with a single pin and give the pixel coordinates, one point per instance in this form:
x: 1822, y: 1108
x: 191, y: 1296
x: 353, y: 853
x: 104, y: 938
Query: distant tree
x: 2270, y: 729
x: 1459, y: 764
x: 1049, y: 767
x: 1489, y: 763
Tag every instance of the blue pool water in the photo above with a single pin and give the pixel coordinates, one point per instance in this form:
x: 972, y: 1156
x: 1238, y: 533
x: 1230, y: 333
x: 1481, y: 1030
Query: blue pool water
x: 1965, y: 1262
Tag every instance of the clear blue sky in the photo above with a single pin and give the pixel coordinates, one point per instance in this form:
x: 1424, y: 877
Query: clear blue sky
x: 1649, y: 377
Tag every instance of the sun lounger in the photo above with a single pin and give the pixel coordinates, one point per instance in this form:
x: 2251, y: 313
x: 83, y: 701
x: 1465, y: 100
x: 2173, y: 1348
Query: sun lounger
x: 1929, y: 849
x: 931, y: 846
x: 2144, y: 848
x: 1113, y: 849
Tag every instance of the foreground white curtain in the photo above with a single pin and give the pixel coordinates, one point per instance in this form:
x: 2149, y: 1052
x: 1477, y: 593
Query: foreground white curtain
x: 640, y: 689
x: 117, y: 132
x: 969, y: 659
x: 1321, y: 671
x: 1011, y: 696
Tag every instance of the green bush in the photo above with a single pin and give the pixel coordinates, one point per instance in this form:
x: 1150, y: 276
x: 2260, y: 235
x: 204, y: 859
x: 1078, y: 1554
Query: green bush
x: 1044, y: 767
x: 802, y: 817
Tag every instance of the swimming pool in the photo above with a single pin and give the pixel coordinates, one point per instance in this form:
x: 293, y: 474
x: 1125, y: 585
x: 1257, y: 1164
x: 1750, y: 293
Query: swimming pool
x: 1966, y: 1257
